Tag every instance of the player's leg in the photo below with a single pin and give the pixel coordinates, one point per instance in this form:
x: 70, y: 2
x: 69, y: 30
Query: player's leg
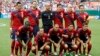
x: 13, y: 35
x: 34, y: 49
x: 61, y: 48
x: 89, y: 47
x: 29, y: 46
x: 17, y: 45
x: 74, y: 48
x: 47, y: 48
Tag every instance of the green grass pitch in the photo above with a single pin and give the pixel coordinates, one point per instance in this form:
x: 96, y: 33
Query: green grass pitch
x: 5, y: 37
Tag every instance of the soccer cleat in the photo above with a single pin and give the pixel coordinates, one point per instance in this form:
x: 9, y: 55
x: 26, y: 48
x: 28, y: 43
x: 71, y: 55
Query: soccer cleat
x: 76, y: 55
x: 89, y: 55
x: 55, y: 53
x: 11, y: 55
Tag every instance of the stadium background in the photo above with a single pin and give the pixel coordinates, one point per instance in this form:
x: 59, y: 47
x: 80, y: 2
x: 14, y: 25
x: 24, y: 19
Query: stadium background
x: 6, y: 6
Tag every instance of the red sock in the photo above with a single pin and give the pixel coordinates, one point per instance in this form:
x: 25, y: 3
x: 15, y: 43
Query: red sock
x: 47, y: 53
x: 16, y: 48
x: 20, y: 49
x: 29, y: 48
x: 89, y: 48
x: 12, y: 46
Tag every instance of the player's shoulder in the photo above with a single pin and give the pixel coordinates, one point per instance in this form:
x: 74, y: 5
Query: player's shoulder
x: 86, y: 13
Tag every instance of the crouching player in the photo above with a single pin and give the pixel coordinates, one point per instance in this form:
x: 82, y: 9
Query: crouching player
x: 84, y: 38
x: 24, y: 34
x: 68, y: 42
x: 41, y: 42
x: 55, y: 35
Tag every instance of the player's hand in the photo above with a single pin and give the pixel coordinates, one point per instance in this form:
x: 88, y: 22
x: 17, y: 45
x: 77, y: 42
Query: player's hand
x: 66, y: 36
x: 41, y: 48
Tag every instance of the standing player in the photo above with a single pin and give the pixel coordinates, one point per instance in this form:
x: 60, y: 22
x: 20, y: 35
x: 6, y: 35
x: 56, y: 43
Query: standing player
x: 69, y: 16
x: 17, y: 19
x: 47, y: 17
x: 41, y: 42
x: 68, y: 42
x: 82, y: 17
x: 24, y: 34
x: 84, y: 38
x: 55, y: 35
x: 33, y: 15
x: 58, y: 16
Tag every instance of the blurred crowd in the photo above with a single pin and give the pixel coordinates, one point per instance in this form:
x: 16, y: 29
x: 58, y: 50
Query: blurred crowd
x: 6, y: 6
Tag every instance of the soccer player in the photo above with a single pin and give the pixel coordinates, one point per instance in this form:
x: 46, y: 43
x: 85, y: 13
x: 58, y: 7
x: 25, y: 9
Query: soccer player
x: 68, y: 42
x: 84, y: 38
x: 24, y: 34
x: 47, y: 17
x: 55, y: 35
x: 58, y: 16
x: 33, y: 15
x: 69, y: 16
x: 17, y: 19
x: 41, y: 42
x: 82, y: 17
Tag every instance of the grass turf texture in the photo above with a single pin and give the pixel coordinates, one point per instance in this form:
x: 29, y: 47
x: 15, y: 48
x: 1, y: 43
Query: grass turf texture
x: 5, y: 37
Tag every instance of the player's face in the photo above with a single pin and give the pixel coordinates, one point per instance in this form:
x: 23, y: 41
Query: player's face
x: 59, y: 8
x: 70, y: 27
x: 19, y: 6
x: 34, y: 5
x: 70, y: 8
x: 85, y: 27
x: 56, y: 27
x: 41, y: 31
x: 81, y: 9
x: 48, y: 7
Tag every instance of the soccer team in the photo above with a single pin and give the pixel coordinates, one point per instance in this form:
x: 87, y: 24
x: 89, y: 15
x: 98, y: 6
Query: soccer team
x: 58, y: 30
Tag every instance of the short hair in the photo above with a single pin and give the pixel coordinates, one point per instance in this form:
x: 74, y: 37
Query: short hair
x: 18, y: 3
x: 59, y: 5
x: 81, y: 6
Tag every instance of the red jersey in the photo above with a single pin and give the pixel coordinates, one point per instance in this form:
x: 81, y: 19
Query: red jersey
x: 41, y: 39
x: 81, y: 18
x: 84, y: 35
x: 71, y: 35
x: 55, y: 33
x: 69, y: 18
x: 24, y: 31
x: 17, y: 19
x: 33, y: 16
x: 58, y: 18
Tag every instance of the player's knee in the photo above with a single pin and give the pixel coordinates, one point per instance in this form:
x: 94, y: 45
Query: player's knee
x: 66, y: 46
x: 89, y: 45
x: 47, y: 47
x: 62, y: 43
x: 74, y: 47
x: 33, y: 49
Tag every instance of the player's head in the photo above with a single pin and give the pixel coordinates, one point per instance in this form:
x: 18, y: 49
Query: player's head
x: 26, y: 24
x: 56, y: 27
x: 34, y: 4
x: 48, y: 6
x: 70, y: 8
x: 18, y: 5
x: 70, y: 27
x: 59, y: 7
x: 41, y: 31
x: 85, y: 27
x: 81, y: 8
